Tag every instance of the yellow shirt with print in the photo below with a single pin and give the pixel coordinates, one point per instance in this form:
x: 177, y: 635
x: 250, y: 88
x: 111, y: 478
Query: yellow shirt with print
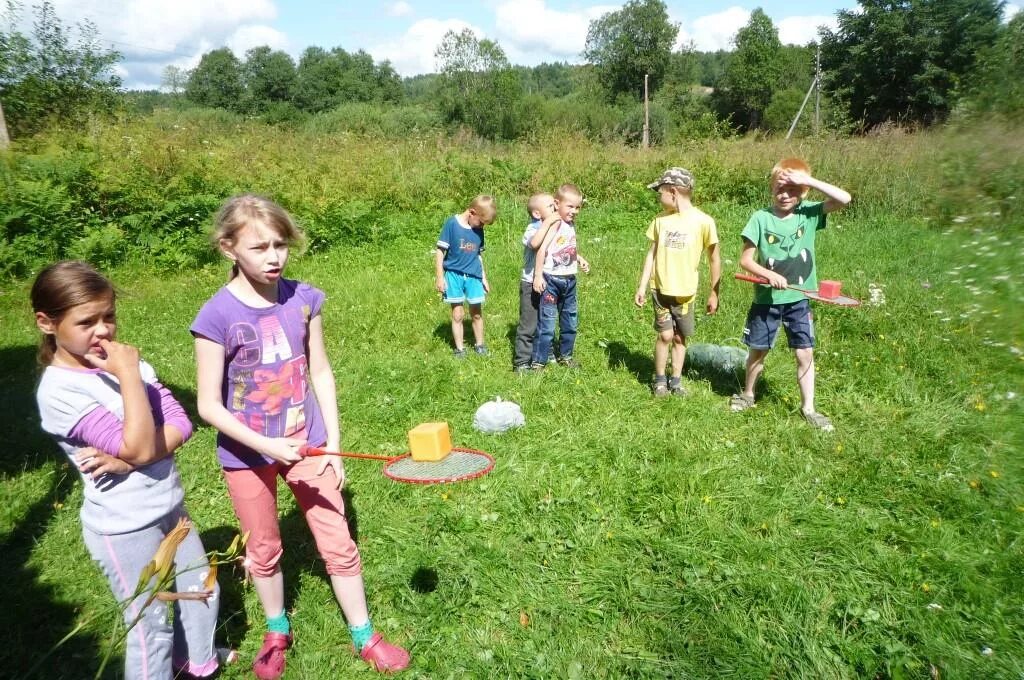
x: 679, y: 239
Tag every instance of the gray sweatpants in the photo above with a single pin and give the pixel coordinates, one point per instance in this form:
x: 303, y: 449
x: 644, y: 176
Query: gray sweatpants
x: 529, y: 301
x: 152, y: 645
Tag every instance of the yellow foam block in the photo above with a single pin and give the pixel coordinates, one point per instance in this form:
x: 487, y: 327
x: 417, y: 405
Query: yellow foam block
x: 430, y: 441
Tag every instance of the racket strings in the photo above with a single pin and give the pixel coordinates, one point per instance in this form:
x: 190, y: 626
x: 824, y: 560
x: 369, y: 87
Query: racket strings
x: 459, y: 464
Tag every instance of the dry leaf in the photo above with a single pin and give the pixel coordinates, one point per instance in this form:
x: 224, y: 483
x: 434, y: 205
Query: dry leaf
x: 524, y: 620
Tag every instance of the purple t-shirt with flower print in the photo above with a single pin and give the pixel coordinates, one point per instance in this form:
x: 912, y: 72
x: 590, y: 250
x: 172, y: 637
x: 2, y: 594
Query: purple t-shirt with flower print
x: 265, y: 383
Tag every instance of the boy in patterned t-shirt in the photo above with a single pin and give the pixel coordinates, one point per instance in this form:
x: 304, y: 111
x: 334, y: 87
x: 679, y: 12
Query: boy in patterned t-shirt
x: 778, y: 244
x: 555, y: 281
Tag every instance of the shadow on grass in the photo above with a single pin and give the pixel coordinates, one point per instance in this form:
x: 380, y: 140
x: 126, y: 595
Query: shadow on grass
x: 640, y: 365
x: 443, y: 332
x: 33, y: 619
x: 424, y: 580
x: 723, y: 382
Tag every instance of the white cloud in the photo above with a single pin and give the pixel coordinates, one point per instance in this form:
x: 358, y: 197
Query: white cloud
x: 802, y: 30
x: 247, y: 37
x: 151, y: 35
x: 399, y: 9
x: 716, y: 31
x: 525, y: 27
x: 1010, y: 10
x: 412, y: 53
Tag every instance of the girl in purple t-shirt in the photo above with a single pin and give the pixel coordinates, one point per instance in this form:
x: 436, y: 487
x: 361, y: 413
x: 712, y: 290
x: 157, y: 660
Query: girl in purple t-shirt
x: 265, y: 383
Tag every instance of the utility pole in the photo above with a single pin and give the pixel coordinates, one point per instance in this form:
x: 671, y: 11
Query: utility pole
x: 817, y: 90
x: 646, y: 141
x: 5, y: 139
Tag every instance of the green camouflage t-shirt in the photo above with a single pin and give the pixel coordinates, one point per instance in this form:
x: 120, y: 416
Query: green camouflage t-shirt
x: 786, y: 246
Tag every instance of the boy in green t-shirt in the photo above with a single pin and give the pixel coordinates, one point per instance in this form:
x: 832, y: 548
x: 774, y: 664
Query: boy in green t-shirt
x: 778, y: 244
x: 678, y: 236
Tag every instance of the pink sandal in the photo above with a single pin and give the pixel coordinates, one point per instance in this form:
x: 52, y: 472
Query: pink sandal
x: 383, y: 656
x: 269, y: 663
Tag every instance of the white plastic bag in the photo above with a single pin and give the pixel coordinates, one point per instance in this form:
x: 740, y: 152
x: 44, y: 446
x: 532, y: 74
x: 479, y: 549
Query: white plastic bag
x: 497, y: 416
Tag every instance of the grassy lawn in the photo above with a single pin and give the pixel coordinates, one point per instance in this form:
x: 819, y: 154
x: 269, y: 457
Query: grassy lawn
x: 617, y: 536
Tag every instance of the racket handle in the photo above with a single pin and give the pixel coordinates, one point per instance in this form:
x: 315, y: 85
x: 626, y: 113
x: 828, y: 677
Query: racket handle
x: 308, y: 451
x: 750, y: 277
x: 765, y: 282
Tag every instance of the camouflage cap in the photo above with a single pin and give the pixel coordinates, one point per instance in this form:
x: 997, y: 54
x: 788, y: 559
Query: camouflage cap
x: 676, y: 177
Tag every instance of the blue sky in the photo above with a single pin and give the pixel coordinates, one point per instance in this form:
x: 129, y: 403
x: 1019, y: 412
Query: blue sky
x: 152, y: 34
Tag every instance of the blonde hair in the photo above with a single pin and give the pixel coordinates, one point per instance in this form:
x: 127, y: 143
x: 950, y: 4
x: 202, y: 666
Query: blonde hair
x: 485, y: 207
x: 60, y: 287
x: 568, y: 189
x: 534, y: 201
x: 240, y: 211
x: 791, y: 164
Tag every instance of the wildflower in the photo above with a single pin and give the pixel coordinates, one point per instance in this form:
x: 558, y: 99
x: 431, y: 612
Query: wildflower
x: 987, y: 651
x: 935, y: 607
x: 925, y: 587
x: 979, y: 405
x: 840, y: 500
x: 839, y: 448
x: 936, y: 522
x: 994, y: 474
x: 707, y: 500
x: 974, y: 484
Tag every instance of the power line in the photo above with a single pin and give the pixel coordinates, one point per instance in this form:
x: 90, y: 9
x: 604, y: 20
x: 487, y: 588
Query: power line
x: 151, y: 49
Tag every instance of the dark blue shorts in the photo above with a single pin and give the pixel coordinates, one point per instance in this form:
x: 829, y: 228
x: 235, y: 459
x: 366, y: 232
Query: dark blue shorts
x: 763, y: 323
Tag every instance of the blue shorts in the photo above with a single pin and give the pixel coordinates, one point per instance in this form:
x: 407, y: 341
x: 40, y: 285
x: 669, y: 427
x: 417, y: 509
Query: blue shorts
x: 463, y: 288
x: 763, y: 323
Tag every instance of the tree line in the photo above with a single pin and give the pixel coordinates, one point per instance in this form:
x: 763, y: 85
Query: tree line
x: 909, y: 62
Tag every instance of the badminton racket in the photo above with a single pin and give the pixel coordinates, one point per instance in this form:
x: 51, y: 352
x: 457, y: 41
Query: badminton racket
x: 457, y: 466
x: 841, y: 300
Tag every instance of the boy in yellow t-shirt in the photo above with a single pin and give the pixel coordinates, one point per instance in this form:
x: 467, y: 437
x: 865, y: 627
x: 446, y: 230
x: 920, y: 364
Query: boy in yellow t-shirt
x: 678, y: 236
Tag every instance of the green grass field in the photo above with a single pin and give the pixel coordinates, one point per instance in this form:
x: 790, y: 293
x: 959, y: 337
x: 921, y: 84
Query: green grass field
x: 619, y: 536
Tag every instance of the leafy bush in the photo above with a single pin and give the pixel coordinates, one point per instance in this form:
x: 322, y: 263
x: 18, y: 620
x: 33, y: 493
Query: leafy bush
x: 373, y: 119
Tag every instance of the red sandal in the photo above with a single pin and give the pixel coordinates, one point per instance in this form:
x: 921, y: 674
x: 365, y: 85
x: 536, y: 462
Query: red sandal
x: 269, y: 663
x: 383, y: 656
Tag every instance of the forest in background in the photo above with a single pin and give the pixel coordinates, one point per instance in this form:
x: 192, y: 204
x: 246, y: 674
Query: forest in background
x: 911, y: 63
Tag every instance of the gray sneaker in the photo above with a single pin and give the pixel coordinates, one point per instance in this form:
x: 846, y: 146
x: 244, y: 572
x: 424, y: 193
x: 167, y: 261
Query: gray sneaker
x: 568, y: 362
x: 675, y: 386
x: 818, y: 421
x: 459, y: 353
x: 659, y: 387
x: 481, y: 350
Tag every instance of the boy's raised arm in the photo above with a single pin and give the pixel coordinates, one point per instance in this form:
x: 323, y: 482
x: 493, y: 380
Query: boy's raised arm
x: 835, y: 198
x: 542, y: 231
x: 538, y: 269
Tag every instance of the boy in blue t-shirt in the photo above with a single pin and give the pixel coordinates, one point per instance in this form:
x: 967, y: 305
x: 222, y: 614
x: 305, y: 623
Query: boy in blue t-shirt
x: 778, y: 245
x: 460, y: 269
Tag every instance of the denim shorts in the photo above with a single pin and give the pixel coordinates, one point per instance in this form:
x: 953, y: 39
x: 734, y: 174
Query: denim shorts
x: 463, y: 288
x: 763, y: 323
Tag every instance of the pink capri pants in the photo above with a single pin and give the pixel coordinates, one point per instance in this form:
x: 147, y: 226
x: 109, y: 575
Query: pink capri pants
x: 254, y: 496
